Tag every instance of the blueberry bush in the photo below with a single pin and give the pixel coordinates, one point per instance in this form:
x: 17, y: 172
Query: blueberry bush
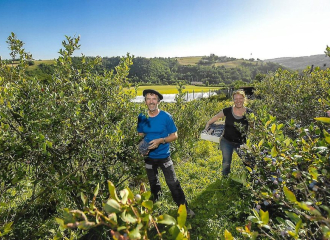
x: 290, y: 178
x: 62, y: 137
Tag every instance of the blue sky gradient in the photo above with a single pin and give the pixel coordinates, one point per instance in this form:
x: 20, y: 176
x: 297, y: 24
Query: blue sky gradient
x: 166, y: 28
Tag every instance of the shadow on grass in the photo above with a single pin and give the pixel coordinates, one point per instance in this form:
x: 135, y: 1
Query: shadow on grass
x: 224, y: 204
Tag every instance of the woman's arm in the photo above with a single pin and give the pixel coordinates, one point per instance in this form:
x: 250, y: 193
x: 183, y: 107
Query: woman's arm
x: 214, y: 119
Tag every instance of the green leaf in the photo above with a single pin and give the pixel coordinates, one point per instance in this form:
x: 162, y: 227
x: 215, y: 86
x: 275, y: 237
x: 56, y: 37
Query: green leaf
x: 287, y: 141
x: 303, y: 206
x: 49, y: 144
x: 298, y: 226
x: 41, y: 137
x: 253, y: 219
x: 147, y: 204
x: 266, y: 226
x: 228, y: 235
x: 112, y: 206
x: 130, y: 194
x: 146, y: 195
x: 135, y: 233
x: 292, y: 234
x: 60, y: 221
x: 280, y: 220
x: 124, y: 196
x: 174, y: 231
x: 261, y: 143
x: 290, y: 224
x: 112, y: 191
x: 83, y: 198
x: 256, y: 214
x: 113, y: 217
x: 264, y: 216
x: 327, y: 139
x: 273, y: 128
x: 274, y: 152
x: 326, y: 231
x: 280, y: 126
x: 294, y: 217
x: 182, y: 211
x: 128, y: 218
x: 96, y: 190
x: 326, y: 133
x: 44, y: 147
x: 323, y: 119
x: 166, y: 219
x: 313, y: 171
x: 289, y: 195
x: 6, y: 228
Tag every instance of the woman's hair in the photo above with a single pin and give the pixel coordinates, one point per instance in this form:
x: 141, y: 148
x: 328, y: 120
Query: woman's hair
x: 239, y: 91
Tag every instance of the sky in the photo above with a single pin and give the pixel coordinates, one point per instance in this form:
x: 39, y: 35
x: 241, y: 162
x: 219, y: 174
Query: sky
x: 263, y: 29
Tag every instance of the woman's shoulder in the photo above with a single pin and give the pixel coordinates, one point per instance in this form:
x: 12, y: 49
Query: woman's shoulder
x: 227, y: 110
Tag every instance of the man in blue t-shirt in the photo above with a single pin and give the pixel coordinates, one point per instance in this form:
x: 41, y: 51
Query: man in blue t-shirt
x: 158, y: 130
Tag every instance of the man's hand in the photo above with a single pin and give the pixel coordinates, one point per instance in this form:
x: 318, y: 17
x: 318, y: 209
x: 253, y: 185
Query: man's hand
x: 155, y: 143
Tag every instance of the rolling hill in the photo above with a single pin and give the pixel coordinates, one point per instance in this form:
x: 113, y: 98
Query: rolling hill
x: 294, y: 63
x: 300, y: 63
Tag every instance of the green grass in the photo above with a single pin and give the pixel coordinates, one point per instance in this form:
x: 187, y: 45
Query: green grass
x: 172, y: 89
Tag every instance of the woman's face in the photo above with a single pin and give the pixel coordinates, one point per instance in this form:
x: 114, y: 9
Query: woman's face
x: 239, y: 100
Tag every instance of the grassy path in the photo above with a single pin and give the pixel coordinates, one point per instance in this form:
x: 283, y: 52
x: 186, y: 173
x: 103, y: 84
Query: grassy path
x: 217, y: 202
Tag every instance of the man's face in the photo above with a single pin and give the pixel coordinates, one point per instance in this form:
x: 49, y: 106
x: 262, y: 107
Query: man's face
x: 152, y: 101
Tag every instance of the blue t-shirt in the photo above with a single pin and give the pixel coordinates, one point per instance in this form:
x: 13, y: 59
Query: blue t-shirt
x: 159, y: 126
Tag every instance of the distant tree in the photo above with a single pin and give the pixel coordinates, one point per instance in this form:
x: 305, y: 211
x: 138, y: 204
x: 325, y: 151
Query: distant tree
x: 16, y: 48
x: 327, y: 51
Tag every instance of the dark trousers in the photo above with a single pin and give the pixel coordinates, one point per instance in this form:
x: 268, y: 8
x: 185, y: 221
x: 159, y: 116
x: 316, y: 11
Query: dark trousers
x: 166, y: 165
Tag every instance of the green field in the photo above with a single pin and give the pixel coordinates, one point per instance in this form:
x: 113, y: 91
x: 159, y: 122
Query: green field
x: 195, y: 60
x: 38, y: 62
x: 172, y: 89
x: 188, y: 60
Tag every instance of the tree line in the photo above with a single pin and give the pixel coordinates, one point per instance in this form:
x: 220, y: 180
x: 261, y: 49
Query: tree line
x: 169, y: 71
